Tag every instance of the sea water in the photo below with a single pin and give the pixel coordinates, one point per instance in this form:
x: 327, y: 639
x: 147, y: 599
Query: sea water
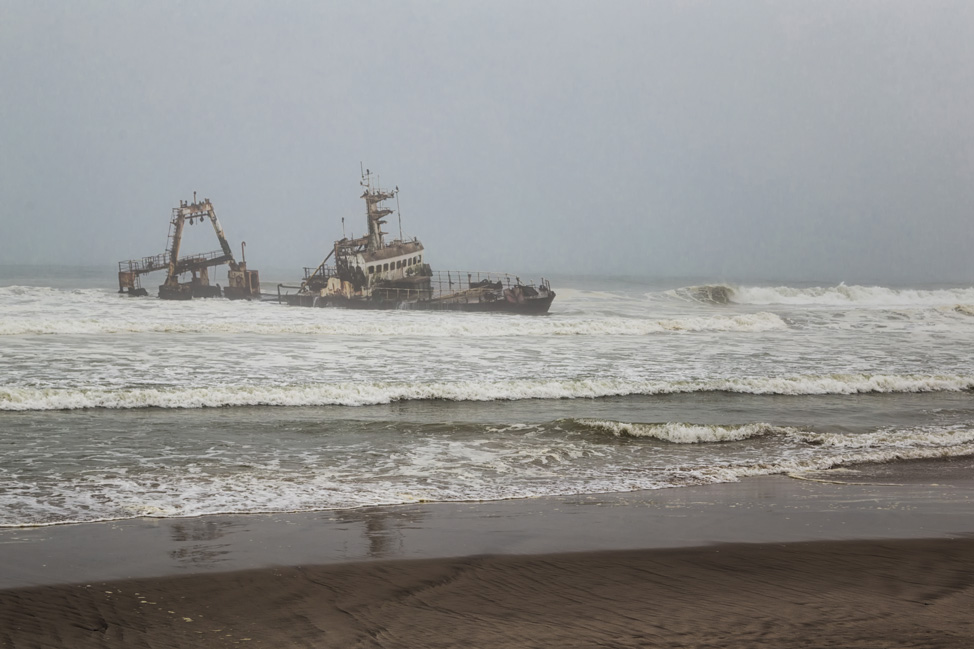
x: 114, y: 407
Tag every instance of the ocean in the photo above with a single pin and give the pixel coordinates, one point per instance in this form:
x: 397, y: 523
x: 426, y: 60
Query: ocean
x: 114, y: 407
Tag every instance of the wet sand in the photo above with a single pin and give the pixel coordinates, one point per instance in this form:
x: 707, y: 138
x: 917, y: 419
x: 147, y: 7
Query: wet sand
x: 906, y: 593
x: 874, y: 557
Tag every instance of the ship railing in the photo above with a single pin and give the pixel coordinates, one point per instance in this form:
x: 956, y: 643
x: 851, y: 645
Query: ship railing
x: 400, y: 294
x: 455, y: 280
x: 201, y: 258
x: 442, y: 284
x: 445, y: 283
x: 287, y: 291
x: 320, y: 271
x: 144, y: 265
x: 161, y: 262
x: 449, y: 285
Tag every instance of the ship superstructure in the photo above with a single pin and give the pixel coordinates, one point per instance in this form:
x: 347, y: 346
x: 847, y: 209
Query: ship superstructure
x: 360, y: 265
x: 371, y: 273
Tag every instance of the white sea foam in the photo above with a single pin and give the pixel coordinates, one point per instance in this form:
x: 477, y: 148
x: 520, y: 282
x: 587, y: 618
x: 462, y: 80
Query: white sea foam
x: 840, y: 295
x: 747, y: 322
x: 431, y: 325
x: 147, y: 354
x: 798, y: 465
x: 845, y: 295
x: 449, y: 472
x: 893, y: 438
x: 371, y: 393
x: 683, y: 433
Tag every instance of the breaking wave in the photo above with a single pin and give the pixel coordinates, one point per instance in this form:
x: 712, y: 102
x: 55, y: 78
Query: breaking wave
x: 258, y: 485
x: 711, y: 475
x: 892, y: 438
x: 708, y: 294
x: 840, y: 295
x: 852, y: 295
x: 374, y: 393
x: 683, y: 433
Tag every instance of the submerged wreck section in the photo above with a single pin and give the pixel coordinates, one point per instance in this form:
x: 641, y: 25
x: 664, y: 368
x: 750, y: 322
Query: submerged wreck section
x: 242, y: 283
x: 438, y: 291
x: 371, y: 273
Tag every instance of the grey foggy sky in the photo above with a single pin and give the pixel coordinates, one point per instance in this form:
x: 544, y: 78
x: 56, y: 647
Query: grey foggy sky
x: 820, y: 141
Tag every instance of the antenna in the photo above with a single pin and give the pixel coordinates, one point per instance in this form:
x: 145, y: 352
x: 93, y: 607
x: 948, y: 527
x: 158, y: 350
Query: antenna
x: 343, y: 228
x: 398, y: 212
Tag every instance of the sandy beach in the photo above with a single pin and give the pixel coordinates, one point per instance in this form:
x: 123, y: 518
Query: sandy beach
x: 903, y: 593
x: 878, y: 556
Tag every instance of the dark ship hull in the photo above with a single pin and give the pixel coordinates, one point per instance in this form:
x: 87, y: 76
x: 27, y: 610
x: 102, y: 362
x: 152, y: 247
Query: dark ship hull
x: 537, y: 304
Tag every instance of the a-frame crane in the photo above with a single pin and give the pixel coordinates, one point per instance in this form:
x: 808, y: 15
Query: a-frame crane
x: 242, y: 283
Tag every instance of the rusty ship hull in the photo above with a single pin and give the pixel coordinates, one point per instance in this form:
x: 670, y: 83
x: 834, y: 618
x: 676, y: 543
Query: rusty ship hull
x: 515, y: 299
x: 535, y: 307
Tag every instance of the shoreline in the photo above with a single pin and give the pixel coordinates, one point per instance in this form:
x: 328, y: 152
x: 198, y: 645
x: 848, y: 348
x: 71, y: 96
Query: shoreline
x: 869, y: 556
x: 903, y: 500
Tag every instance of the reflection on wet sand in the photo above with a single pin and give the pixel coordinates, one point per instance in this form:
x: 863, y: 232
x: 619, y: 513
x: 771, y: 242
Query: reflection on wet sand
x: 208, y: 543
x: 383, y: 528
x: 195, y: 537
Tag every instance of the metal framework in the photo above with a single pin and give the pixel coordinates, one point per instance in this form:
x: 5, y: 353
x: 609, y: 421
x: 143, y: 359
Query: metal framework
x: 242, y: 283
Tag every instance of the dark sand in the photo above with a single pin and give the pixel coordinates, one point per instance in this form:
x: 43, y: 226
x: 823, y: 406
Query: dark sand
x: 899, y: 572
x: 906, y: 593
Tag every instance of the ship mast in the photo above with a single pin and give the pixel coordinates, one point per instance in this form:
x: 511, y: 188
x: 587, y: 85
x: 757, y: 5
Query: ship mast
x: 375, y: 211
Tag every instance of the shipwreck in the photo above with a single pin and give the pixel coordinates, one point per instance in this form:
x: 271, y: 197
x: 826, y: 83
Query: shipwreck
x: 372, y: 273
x: 241, y: 282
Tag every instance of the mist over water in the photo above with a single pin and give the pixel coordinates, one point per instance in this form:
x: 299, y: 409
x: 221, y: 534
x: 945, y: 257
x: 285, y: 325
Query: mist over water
x: 754, y: 140
x: 114, y: 407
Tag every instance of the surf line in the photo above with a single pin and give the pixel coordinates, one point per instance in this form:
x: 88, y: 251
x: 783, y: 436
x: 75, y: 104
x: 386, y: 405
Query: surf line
x: 797, y: 476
